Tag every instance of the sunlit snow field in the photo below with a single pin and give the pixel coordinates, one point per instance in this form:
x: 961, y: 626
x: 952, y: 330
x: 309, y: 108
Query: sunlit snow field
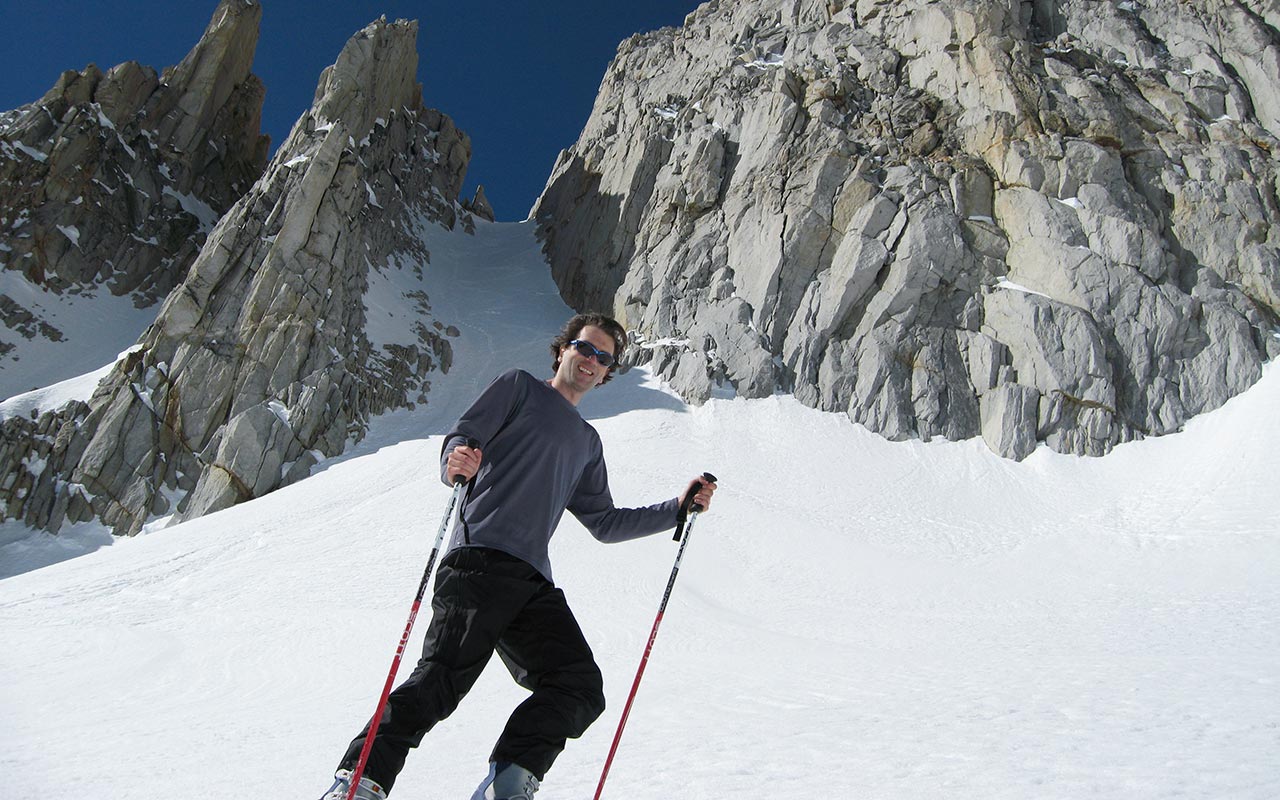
x: 854, y: 618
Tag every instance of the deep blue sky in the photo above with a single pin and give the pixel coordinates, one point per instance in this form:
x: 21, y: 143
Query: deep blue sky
x: 518, y: 77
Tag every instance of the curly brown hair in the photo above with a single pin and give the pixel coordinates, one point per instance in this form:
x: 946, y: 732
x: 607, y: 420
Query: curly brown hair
x: 573, y: 328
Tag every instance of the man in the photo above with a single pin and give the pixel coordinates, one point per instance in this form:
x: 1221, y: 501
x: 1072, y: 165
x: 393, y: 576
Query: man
x: 537, y: 458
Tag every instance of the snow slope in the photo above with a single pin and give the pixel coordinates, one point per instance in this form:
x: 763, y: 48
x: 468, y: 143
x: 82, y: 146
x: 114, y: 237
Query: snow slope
x: 92, y: 324
x: 854, y: 618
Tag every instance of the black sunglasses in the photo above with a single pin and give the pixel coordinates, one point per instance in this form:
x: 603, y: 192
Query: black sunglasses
x: 588, y: 350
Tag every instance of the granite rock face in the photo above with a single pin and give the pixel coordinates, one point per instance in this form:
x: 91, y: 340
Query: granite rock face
x: 261, y: 360
x: 116, y: 178
x: 1046, y: 221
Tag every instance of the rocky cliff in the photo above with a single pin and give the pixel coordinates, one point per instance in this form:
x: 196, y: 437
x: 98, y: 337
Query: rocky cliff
x: 260, y: 360
x: 114, y: 179
x: 1051, y: 220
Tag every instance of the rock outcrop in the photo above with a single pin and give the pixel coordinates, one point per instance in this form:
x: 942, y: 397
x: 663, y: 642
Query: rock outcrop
x: 1043, y: 221
x: 116, y: 178
x: 261, y: 361
x: 479, y: 205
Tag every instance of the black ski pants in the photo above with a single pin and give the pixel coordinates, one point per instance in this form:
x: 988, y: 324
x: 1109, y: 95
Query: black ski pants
x: 485, y: 600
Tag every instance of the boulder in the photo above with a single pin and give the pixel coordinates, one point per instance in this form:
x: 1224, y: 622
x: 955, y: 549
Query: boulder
x: 1009, y: 415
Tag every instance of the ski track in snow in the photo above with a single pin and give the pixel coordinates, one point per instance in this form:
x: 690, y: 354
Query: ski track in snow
x: 854, y: 617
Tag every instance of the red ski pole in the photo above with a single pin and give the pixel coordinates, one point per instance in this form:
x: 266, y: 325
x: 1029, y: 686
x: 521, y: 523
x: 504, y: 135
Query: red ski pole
x: 687, y: 528
x: 458, y: 483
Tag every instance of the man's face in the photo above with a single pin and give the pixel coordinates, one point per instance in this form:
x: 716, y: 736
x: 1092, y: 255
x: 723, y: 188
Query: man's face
x: 583, y: 373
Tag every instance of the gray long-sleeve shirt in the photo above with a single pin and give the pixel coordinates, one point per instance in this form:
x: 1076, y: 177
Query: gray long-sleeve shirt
x: 540, y: 458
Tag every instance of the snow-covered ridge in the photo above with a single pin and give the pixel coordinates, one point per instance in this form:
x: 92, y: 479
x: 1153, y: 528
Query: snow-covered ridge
x: 53, y: 397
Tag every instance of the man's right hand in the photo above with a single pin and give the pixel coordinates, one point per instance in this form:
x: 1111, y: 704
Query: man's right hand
x: 464, y: 461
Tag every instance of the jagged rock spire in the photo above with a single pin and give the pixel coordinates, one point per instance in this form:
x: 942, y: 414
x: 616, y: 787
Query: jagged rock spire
x: 374, y: 75
x: 204, y: 88
x: 258, y: 362
x: 116, y: 178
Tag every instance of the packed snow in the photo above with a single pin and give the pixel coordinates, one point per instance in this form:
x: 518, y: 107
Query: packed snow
x: 853, y: 618
x: 196, y: 207
x: 51, y: 398
x: 32, y: 152
x: 71, y: 232
x: 87, y: 329
x: 1005, y: 283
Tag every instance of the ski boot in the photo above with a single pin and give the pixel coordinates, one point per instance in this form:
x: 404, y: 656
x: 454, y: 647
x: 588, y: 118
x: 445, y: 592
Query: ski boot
x: 507, y: 782
x: 367, y: 790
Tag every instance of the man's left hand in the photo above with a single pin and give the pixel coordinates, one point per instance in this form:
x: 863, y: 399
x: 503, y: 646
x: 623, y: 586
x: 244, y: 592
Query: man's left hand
x: 702, y: 490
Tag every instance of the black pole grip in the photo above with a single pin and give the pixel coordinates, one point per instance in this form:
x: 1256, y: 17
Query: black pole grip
x: 709, y: 478
x: 683, y: 513
x: 474, y: 445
